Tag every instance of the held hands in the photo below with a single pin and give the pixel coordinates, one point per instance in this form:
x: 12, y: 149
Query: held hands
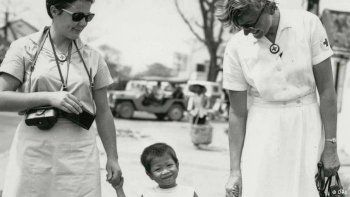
x: 234, y: 185
x: 114, y: 173
x: 65, y: 102
x: 330, y: 159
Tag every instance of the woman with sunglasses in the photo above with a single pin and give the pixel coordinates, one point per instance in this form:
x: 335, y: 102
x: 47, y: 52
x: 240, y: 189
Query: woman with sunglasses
x: 54, y: 67
x: 281, y: 60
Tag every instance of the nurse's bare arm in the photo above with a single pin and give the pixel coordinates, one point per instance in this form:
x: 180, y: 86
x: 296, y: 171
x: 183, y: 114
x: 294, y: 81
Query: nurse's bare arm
x: 107, y: 133
x: 328, y: 109
x: 237, y: 126
x: 16, y: 101
x: 236, y: 134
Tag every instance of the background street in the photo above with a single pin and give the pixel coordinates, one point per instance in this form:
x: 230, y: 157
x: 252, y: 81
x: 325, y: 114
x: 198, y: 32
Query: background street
x: 206, y: 169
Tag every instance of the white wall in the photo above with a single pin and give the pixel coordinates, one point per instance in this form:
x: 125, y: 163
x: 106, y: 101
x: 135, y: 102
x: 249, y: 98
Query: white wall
x: 344, y: 115
x: 292, y: 4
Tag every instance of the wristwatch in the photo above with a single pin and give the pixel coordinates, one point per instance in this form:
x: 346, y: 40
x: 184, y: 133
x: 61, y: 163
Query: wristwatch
x: 333, y: 140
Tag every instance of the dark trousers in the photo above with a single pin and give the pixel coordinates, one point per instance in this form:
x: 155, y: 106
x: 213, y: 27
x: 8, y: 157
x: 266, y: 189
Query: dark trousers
x: 199, y: 120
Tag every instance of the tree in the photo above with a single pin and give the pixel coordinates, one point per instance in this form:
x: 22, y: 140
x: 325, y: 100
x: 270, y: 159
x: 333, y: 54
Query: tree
x: 112, y: 58
x: 212, y: 31
x: 157, y: 70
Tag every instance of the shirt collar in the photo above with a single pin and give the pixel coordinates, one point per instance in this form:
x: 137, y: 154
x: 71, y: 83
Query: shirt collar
x: 286, y: 20
x: 36, y: 36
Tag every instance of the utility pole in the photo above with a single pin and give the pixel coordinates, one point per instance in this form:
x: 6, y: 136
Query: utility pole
x: 313, y: 6
x: 6, y: 23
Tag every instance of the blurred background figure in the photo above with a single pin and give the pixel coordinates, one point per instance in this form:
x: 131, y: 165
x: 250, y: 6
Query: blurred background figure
x: 198, y: 104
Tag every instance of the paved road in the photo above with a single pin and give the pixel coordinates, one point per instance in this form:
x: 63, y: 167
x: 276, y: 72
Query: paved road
x: 207, y: 171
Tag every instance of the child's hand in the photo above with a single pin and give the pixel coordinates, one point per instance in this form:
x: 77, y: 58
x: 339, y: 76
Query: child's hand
x: 120, y: 185
x: 119, y: 188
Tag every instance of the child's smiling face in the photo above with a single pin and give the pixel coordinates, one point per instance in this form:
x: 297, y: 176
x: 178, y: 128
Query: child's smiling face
x: 164, y: 171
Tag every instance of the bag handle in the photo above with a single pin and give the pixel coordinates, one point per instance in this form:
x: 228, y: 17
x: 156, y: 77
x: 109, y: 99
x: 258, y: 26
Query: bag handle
x: 320, y: 178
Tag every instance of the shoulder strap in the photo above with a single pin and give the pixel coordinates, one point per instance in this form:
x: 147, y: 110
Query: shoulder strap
x: 41, y: 42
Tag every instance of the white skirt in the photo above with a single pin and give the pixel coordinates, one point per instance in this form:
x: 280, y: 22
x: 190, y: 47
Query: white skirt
x: 62, y: 161
x: 283, y: 143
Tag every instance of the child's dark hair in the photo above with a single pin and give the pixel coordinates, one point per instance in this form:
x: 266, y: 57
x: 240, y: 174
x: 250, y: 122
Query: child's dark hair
x: 156, y: 150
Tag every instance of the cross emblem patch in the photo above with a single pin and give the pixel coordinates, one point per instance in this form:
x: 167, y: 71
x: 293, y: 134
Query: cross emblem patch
x: 324, y: 43
x: 274, y: 48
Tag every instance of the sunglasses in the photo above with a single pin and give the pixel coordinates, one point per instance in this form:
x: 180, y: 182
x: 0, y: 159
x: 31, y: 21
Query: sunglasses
x: 77, y: 16
x: 252, y: 25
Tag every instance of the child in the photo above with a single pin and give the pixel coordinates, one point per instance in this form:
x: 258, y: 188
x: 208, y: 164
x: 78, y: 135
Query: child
x: 162, y: 166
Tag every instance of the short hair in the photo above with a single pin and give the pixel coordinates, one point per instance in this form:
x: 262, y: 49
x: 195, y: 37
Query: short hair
x: 228, y: 11
x: 156, y: 150
x: 61, y: 4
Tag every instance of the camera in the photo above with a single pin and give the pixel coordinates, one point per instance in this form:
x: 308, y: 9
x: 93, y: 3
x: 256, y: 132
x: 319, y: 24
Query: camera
x: 44, y: 117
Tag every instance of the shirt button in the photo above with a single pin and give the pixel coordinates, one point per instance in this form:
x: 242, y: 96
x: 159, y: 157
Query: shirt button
x: 62, y: 57
x: 298, y: 101
x: 279, y: 68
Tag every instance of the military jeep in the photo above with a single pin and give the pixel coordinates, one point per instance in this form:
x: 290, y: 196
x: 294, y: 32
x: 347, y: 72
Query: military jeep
x: 135, y: 97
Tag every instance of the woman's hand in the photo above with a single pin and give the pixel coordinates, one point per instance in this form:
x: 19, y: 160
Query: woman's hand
x: 114, y: 173
x: 330, y: 159
x: 65, y: 102
x: 234, y: 185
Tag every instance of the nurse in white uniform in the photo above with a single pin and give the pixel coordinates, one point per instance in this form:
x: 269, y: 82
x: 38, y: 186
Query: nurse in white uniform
x: 62, y: 161
x: 282, y: 58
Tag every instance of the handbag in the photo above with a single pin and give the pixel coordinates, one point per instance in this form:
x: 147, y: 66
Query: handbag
x: 336, y: 189
x: 84, y: 119
x: 43, y: 117
x: 325, y: 187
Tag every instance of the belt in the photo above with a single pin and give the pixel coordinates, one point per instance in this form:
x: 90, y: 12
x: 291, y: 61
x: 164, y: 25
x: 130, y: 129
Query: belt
x: 299, y: 101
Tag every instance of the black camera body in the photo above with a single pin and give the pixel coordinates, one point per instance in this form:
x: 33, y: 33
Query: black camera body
x: 44, y: 117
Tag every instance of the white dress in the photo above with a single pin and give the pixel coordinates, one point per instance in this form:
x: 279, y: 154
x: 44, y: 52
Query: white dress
x: 64, y: 160
x: 284, y: 136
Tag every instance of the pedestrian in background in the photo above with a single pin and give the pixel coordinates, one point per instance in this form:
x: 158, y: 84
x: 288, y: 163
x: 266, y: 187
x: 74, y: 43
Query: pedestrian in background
x: 198, y: 104
x: 283, y: 58
x: 71, y: 77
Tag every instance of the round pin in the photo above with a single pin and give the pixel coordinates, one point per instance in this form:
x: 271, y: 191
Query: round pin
x: 62, y: 58
x: 274, y: 48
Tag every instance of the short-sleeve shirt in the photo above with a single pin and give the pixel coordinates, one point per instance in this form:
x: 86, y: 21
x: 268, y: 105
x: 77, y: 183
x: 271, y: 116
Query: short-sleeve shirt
x: 288, y: 74
x: 177, y: 191
x: 45, y: 76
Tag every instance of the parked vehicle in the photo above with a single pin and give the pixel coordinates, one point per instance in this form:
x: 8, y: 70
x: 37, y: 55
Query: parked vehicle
x: 137, y: 96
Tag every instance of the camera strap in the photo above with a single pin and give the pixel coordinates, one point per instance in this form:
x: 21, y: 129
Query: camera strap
x: 41, y: 42
x: 64, y: 82
x: 89, y: 73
